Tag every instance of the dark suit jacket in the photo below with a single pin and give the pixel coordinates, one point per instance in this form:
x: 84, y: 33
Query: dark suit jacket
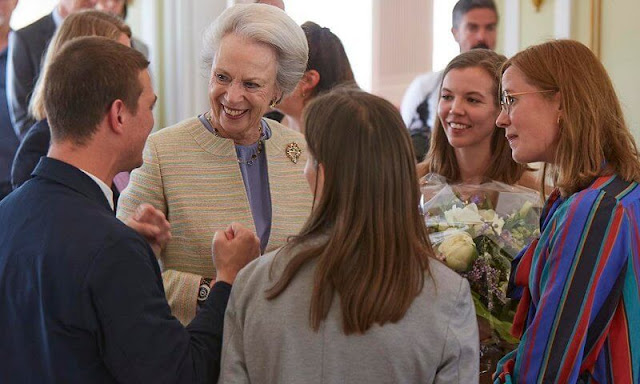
x: 34, y: 145
x: 82, y: 297
x: 26, y: 50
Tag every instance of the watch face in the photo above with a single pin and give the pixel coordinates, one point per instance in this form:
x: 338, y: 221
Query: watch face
x: 203, y: 292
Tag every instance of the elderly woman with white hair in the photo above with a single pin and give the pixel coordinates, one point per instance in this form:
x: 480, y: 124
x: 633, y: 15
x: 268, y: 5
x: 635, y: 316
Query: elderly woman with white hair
x: 229, y: 163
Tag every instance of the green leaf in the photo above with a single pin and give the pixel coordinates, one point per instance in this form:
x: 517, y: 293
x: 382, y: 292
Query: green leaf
x: 502, y: 327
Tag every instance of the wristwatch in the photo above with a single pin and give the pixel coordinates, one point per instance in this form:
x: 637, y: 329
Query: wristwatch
x: 203, y: 290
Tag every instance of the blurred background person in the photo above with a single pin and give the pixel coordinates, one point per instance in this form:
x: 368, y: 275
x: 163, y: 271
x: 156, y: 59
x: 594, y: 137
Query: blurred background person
x: 466, y: 145
x: 578, y: 281
x: 26, y: 52
x: 36, y: 142
x: 474, y: 25
x: 327, y: 67
x: 347, y: 291
x: 228, y: 164
x: 119, y: 8
x: 8, y: 140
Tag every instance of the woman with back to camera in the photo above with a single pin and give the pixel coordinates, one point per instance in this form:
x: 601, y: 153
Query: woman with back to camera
x: 355, y: 296
x: 578, y: 316
x: 228, y: 163
x: 328, y: 66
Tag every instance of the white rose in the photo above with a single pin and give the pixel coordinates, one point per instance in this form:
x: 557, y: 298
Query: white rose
x: 466, y: 215
x: 459, y: 251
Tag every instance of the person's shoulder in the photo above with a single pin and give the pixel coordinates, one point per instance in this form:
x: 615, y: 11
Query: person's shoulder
x: 263, y: 272
x: 175, y: 131
x: 44, y: 23
x: 447, y: 282
x: 257, y: 270
x: 288, y: 141
x: 444, y: 293
x: 38, y: 131
x: 279, y: 130
x: 599, y: 201
x: 610, y: 189
x: 427, y: 79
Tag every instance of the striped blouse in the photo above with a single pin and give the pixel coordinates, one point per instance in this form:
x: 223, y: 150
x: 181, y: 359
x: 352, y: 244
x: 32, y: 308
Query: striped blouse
x: 579, y: 316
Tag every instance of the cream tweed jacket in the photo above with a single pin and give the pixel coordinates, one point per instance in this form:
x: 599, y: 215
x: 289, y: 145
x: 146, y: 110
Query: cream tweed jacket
x: 194, y: 178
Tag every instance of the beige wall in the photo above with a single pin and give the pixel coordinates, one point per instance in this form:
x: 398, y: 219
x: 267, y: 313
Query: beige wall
x: 620, y: 52
x: 398, y: 32
x: 535, y: 27
x: 621, y: 55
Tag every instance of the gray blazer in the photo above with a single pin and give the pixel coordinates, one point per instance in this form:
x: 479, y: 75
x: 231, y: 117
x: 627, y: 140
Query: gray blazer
x: 272, y: 342
x: 26, y: 50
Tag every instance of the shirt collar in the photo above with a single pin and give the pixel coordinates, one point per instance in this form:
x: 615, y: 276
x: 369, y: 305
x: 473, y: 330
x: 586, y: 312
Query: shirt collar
x: 108, y: 193
x: 57, y: 19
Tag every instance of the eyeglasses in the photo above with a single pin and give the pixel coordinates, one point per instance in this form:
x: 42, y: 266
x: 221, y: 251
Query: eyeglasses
x: 507, y: 100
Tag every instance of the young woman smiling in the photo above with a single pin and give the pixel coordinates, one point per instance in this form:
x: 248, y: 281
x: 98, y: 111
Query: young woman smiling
x: 466, y: 144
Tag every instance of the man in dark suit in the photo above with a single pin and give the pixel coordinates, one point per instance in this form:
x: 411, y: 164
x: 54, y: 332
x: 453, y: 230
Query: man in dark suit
x: 8, y: 140
x: 26, y: 49
x: 81, y: 293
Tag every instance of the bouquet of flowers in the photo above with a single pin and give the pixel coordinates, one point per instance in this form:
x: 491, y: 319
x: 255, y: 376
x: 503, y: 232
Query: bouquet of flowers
x: 477, y: 230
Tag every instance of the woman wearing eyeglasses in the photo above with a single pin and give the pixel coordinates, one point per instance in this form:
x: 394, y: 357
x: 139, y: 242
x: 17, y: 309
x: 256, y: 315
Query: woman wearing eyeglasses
x: 466, y: 144
x: 580, y: 305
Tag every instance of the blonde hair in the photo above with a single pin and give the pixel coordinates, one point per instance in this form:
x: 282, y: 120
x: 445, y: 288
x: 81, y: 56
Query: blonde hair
x: 594, y: 138
x: 441, y: 158
x: 85, y: 23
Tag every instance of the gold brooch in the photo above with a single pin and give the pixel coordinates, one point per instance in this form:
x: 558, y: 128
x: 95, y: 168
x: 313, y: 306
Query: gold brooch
x: 293, y: 152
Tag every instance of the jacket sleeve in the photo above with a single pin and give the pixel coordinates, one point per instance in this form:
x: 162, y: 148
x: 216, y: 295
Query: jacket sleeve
x: 461, y: 357
x: 141, y: 341
x: 21, y: 78
x: 146, y: 186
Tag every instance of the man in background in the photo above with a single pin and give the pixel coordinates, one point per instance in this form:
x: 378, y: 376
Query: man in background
x: 474, y: 25
x: 8, y: 140
x: 26, y: 50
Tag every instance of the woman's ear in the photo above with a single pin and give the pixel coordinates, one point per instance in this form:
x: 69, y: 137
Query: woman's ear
x: 310, y: 80
x: 277, y: 98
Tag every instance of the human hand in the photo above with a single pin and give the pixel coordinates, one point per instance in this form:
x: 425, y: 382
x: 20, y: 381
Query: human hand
x: 232, y: 249
x: 152, y: 225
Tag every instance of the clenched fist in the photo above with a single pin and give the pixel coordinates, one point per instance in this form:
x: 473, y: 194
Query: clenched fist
x: 232, y: 250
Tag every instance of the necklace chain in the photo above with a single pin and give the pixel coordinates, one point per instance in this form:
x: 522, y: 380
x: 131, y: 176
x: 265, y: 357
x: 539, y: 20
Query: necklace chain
x: 255, y: 154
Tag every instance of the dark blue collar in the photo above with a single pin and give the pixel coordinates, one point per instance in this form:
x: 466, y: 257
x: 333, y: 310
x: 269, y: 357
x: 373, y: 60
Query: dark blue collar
x: 73, y: 178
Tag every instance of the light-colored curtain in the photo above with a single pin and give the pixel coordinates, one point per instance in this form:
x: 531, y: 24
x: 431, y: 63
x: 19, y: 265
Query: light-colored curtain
x: 173, y: 30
